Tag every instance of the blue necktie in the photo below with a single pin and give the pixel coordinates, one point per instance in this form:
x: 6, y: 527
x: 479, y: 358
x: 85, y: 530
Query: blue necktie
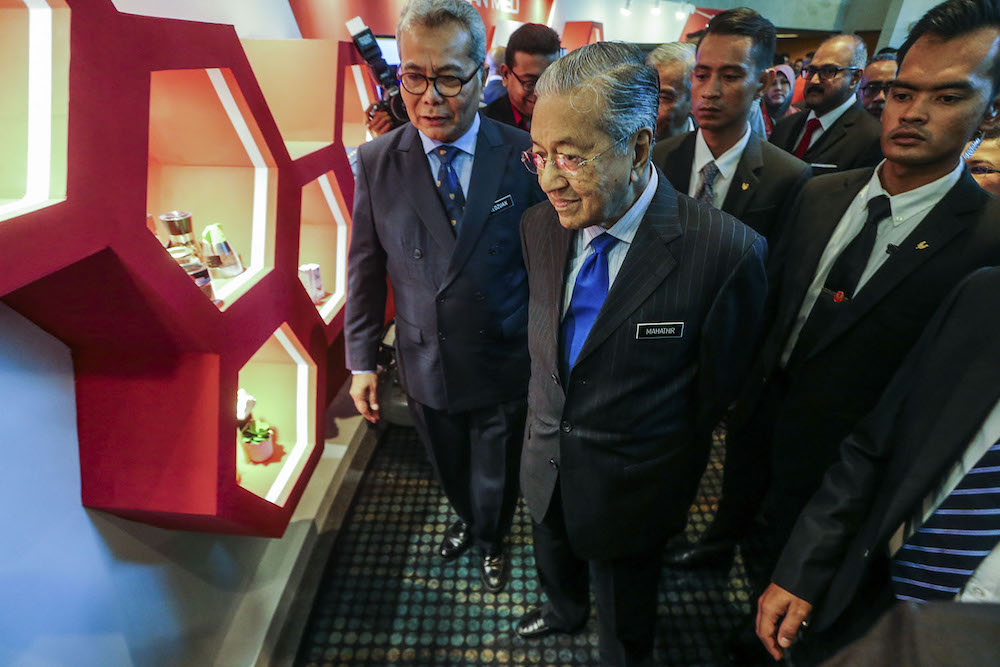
x: 448, y: 184
x: 937, y: 560
x: 589, y: 292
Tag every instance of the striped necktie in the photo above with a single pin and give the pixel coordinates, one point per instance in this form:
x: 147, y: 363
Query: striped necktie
x: 448, y: 185
x: 937, y: 560
x: 706, y: 193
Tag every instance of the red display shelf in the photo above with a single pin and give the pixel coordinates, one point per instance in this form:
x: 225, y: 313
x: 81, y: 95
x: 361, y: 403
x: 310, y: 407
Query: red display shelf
x: 167, y: 114
x: 323, y: 241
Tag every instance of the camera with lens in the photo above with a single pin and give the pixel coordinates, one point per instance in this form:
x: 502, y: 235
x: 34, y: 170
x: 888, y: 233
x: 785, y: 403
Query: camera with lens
x: 391, y: 101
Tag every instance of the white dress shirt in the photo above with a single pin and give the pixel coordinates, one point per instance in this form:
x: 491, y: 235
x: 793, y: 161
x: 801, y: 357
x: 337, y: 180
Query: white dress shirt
x: 462, y: 164
x: 825, y: 121
x: 908, y: 210
x: 624, y: 230
x: 984, y: 584
x: 726, y: 163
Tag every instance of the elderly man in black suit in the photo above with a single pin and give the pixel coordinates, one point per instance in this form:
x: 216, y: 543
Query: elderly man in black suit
x: 911, y: 511
x: 834, y: 133
x: 436, y: 207
x: 869, y: 256
x: 642, y: 314
x: 723, y: 163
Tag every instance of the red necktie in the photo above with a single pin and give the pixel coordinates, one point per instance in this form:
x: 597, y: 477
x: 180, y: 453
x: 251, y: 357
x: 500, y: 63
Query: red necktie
x: 803, y: 146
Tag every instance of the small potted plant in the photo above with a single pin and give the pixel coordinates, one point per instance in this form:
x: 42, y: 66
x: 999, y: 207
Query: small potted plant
x: 258, y: 440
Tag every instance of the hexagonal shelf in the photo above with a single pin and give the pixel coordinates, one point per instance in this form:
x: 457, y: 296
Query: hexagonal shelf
x: 282, y: 378
x: 323, y: 240
x: 34, y: 78
x: 207, y: 157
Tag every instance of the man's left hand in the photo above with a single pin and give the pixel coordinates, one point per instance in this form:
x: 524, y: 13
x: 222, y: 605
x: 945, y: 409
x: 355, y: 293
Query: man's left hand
x: 774, y: 604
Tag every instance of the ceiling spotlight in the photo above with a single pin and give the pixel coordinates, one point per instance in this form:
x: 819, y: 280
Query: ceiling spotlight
x: 625, y: 11
x: 680, y: 16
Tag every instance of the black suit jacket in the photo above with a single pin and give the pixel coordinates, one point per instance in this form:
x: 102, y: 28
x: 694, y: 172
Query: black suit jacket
x: 500, y: 110
x: 626, y: 434
x: 461, y: 301
x: 922, y: 425
x: 851, y: 143
x: 765, y: 184
x: 841, y: 378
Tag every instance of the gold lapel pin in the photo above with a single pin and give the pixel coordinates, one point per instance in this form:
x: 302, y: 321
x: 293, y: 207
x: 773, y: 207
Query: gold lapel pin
x: 745, y: 186
x: 922, y: 245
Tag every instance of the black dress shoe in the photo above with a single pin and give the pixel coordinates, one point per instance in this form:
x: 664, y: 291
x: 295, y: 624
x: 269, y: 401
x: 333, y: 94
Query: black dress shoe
x: 716, y: 554
x: 494, y: 572
x: 533, y: 625
x: 456, y: 540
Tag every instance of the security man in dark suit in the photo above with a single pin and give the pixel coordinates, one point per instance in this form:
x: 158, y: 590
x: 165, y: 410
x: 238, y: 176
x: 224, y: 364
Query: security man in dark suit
x: 436, y: 207
x: 723, y: 163
x: 834, y: 133
x: 642, y: 301
x: 869, y: 256
x: 530, y: 49
x: 911, y: 511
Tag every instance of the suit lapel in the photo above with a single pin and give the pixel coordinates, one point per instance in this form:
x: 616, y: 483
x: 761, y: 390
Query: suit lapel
x: 557, y: 241
x: 488, y: 169
x: 835, y: 134
x: 677, y: 167
x: 743, y: 187
x: 943, y: 223
x: 795, y: 126
x: 647, y: 263
x: 415, y: 180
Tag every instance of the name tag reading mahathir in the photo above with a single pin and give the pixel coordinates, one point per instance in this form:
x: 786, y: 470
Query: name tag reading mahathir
x: 659, y: 330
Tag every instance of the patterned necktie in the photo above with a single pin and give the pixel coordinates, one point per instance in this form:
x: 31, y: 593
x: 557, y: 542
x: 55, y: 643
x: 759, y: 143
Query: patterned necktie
x: 706, y: 193
x: 589, y: 293
x: 807, y: 136
x: 842, y: 281
x: 449, y: 187
x: 937, y: 560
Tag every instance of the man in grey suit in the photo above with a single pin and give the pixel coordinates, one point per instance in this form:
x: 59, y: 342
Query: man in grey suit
x: 834, y: 133
x: 436, y: 207
x: 642, y: 316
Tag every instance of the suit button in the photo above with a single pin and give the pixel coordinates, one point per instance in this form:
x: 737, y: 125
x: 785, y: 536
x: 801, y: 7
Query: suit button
x: 482, y: 332
x: 441, y: 336
x: 552, y: 462
x: 555, y: 378
x: 866, y: 554
x: 417, y: 253
x: 566, y: 427
x: 441, y: 299
x: 478, y: 296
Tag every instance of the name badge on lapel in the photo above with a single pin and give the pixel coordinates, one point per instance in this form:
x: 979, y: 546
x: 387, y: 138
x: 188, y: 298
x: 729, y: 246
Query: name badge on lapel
x: 501, y: 204
x: 648, y: 330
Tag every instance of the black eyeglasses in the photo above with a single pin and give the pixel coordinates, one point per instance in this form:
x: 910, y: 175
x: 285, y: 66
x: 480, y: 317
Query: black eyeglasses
x: 826, y: 72
x: 874, y: 88
x: 983, y: 169
x: 447, y: 85
x: 528, y: 85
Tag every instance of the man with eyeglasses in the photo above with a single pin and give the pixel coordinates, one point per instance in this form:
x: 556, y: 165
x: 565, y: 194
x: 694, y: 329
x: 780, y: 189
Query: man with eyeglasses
x: 530, y: 49
x: 437, y: 205
x: 834, y: 133
x: 875, y: 82
x: 643, y: 307
x: 984, y: 161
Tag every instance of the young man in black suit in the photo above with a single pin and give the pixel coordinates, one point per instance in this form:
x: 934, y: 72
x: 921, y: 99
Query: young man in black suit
x: 530, y: 49
x: 437, y: 206
x: 641, y: 303
x: 834, y: 133
x: 869, y: 256
x: 723, y: 163
x: 909, y: 512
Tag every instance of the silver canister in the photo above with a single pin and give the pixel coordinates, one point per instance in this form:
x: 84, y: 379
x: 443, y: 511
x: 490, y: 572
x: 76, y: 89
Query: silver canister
x: 312, y: 278
x: 180, y: 226
x: 198, y: 272
x: 222, y: 260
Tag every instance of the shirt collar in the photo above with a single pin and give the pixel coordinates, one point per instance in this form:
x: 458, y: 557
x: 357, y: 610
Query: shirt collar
x: 832, y: 116
x: 628, y: 225
x: 908, y: 204
x: 727, y: 161
x: 494, y: 77
x: 465, y: 143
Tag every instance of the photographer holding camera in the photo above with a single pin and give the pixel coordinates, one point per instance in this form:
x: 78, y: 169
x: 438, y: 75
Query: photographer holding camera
x: 437, y: 207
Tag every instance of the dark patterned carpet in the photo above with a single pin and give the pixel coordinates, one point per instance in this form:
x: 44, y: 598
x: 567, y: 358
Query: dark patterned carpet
x: 386, y: 598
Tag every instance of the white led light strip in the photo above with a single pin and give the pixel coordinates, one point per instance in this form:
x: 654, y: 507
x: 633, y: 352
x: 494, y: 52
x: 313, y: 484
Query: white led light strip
x: 359, y: 83
x: 340, y: 280
x: 39, y: 158
x: 258, y: 233
x: 302, y: 430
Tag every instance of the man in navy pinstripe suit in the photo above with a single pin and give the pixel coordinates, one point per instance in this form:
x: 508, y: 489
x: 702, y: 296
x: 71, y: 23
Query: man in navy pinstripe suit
x: 643, y: 312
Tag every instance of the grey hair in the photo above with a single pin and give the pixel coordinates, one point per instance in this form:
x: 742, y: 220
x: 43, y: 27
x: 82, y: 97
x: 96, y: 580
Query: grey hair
x: 671, y: 52
x: 434, y: 13
x: 611, y: 77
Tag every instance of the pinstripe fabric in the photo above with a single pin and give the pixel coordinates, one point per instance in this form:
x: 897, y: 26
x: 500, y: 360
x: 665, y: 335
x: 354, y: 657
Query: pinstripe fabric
x: 628, y: 428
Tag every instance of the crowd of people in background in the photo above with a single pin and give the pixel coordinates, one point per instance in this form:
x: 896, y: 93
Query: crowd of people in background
x: 598, y: 257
